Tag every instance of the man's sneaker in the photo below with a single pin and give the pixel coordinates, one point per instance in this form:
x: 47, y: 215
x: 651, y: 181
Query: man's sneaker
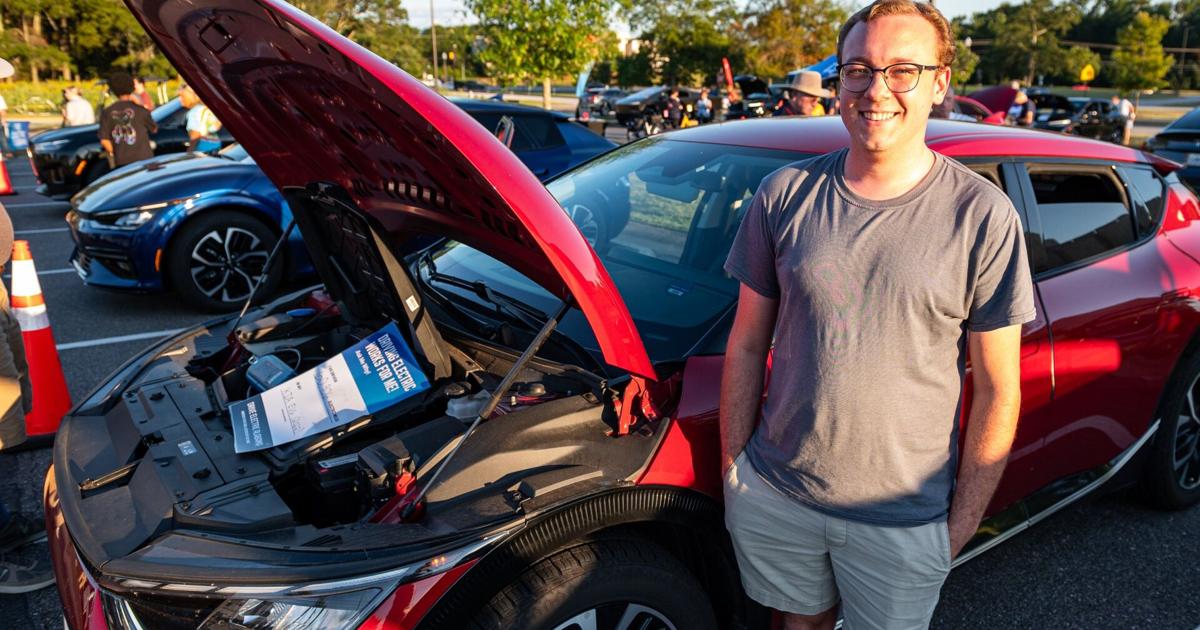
x: 21, y: 530
x: 23, y: 578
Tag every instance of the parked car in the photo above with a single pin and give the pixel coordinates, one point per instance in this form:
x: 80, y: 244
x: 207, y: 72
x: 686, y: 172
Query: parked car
x: 591, y: 497
x: 1054, y: 112
x: 598, y: 101
x: 1180, y: 141
x: 65, y: 160
x: 758, y: 99
x: 968, y: 106
x: 652, y: 101
x: 1099, y: 118
x: 202, y: 226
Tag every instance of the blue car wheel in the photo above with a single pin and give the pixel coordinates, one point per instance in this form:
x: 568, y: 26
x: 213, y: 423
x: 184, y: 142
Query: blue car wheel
x: 218, y: 257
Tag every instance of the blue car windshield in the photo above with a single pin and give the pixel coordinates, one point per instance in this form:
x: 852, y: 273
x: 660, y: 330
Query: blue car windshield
x: 661, y: 214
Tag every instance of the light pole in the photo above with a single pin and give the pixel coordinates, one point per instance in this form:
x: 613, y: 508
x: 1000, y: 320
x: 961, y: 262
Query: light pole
x: 433, y: 38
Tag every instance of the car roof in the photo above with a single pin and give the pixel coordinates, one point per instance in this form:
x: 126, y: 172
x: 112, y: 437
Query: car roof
x: 504, y: 107
x: 822, y: 134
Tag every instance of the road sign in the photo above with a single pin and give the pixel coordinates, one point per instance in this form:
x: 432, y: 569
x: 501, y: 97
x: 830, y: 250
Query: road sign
x: 1087, y: 74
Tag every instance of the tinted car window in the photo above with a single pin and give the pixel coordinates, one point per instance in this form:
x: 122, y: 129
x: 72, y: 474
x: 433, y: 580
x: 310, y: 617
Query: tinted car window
x: 530, y: 132
x: 1083, y: 214
x: 537, y: 132
x: 1150, y: 197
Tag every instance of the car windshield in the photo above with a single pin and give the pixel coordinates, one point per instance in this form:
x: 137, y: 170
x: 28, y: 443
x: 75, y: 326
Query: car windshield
x: 661, y: 214
x: 165, y: 111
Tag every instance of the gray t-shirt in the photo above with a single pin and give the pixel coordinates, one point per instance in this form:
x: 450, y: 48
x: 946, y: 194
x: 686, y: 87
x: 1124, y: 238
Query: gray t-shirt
x: 862, y: 411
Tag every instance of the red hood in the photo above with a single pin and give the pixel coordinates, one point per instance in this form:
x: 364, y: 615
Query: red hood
x: 997, y: 98
x: 311, y: 106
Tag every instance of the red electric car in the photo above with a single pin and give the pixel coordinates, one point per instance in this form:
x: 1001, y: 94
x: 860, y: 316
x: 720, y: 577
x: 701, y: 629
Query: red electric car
x: 585, y: 321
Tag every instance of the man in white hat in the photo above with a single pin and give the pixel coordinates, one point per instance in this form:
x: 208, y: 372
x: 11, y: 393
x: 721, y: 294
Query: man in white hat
x: 803, y: 96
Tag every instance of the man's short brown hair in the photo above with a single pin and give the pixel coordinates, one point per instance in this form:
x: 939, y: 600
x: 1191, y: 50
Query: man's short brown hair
x: 881, y: 8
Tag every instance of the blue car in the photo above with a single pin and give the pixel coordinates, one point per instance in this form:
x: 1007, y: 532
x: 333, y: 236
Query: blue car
x: 203, y: 225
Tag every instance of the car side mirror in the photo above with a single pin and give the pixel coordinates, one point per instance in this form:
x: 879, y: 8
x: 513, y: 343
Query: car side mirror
x: 505, y: 130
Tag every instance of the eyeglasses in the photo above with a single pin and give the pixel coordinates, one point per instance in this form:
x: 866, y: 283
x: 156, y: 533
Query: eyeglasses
x: 898, y: 77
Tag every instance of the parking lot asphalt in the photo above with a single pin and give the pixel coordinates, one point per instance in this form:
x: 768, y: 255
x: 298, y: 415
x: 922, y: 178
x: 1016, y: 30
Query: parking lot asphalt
x: 1106, y: 562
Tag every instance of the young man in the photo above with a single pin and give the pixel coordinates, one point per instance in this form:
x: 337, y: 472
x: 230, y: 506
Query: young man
x: 868, y: 272
x: 125, y: 126
x: 804, y: 96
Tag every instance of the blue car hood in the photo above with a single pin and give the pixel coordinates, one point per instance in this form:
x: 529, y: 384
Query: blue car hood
x: 163, y: 179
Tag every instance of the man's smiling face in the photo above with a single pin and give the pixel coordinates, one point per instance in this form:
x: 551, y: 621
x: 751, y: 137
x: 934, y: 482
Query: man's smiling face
x: 879, y: 120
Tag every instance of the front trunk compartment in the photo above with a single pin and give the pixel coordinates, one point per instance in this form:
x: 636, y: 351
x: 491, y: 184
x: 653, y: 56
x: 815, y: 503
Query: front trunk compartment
x: 152, y: 489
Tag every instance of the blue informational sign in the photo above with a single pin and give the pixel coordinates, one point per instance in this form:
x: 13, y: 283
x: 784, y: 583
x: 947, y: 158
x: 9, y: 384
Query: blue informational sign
x: 18, y: 135
x: 366, y: 378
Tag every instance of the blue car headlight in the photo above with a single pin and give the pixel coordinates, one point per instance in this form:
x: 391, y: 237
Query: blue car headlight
x: 133, y: 218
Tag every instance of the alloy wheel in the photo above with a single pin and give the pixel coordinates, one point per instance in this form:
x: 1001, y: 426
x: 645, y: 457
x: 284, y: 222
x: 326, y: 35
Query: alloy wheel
x: 226, y: 263
x: 618, y: 616
x: 1187, y: 442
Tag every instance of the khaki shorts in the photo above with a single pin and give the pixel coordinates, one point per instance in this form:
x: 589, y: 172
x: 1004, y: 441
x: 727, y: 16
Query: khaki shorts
x: 798, y: 560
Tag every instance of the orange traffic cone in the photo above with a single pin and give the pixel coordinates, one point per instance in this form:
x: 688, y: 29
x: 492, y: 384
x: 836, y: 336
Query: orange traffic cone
x: 6, y: 187
x: 50, y: 397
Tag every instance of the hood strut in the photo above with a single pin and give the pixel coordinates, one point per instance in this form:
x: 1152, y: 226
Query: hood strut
x: 410, y: 506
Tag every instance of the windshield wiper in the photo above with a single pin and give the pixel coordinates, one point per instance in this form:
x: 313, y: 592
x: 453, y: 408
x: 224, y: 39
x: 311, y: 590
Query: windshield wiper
x: 514, y: 309
x: 504, y: 304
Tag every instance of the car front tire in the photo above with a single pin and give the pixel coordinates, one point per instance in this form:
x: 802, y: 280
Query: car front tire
x: 217, y: 257
x: 1171, y: 479
x: 609, y: 584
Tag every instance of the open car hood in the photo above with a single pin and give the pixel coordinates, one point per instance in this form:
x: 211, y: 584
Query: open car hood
x: 317, y: 111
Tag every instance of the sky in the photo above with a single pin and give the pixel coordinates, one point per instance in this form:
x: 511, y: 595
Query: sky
x: 454, y: 11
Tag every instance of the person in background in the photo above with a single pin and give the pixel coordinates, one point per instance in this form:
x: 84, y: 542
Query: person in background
x: 4, y: 125
x: 125, y: 126
x: 202, y: 124
x: 76, y: 109
x: 143, y: 97
x: 704, y: 108
x: 1023, y: 110
x: 803, y: 96
x: 16, y: 399
x: 674, y: 113
x: 1128, y: 115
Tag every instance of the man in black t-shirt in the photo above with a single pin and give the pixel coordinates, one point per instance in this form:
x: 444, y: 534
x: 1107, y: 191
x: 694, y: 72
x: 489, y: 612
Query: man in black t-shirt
x: 125, y: 126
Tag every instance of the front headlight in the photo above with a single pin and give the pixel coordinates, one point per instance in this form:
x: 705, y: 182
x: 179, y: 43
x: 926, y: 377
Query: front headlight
x: 49, y: 145
x: 332, y: 612
x: 133, y: 218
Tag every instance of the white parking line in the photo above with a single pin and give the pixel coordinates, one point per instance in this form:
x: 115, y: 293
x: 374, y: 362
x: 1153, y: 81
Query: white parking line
x: 104, y: 341
x: 48, y: 272
x: 37, y: 204
x: 41, y: 231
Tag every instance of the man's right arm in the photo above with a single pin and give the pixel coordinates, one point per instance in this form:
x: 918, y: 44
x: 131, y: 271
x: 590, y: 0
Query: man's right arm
x: 745, y: 369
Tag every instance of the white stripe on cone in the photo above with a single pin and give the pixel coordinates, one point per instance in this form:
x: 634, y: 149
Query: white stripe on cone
x: 32, y: 318
x: 24, y: 279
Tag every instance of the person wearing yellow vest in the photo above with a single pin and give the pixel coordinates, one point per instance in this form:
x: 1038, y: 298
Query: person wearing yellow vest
x: 202, y: 124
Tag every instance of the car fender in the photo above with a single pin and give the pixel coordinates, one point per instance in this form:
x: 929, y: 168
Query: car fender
x: 686, y: 522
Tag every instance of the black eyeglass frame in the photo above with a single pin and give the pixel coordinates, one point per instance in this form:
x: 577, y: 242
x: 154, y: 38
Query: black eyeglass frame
x: 883, y: 71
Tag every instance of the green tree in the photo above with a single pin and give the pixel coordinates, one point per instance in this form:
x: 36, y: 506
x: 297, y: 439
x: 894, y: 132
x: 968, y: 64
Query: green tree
x: 783, y: 35
x: 1030, y: 32
x: 687, y: 39
x: 542, y: 39
x: 965, y: 61
x: 1139, y: 62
